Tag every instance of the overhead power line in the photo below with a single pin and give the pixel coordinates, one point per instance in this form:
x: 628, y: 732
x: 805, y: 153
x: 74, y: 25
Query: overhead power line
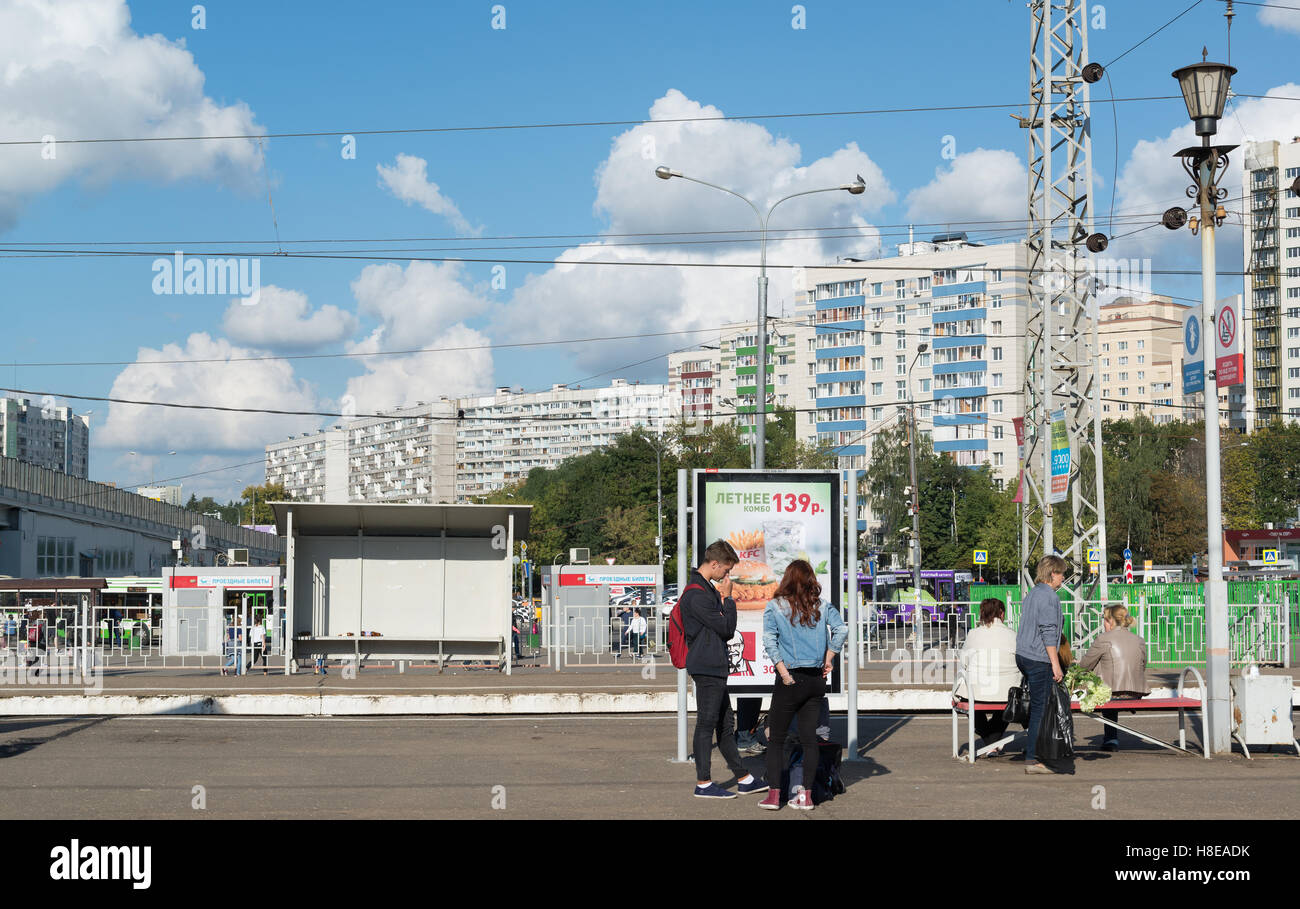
x: 311, y: 134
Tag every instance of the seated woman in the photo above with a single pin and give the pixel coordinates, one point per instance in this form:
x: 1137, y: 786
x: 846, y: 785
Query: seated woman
x: 989, y: 659
x: 1119, y: 656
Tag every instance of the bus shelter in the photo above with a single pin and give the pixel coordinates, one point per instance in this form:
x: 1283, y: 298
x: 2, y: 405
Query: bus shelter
x: 389, y: 582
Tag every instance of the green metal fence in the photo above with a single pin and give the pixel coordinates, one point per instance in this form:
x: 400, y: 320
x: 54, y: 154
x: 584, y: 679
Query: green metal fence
x: 1263, y: 617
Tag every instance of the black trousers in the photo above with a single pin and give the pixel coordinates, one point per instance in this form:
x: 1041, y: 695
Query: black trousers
x: 801, y: 701
x: 989, y: 725
x: 713, y: 716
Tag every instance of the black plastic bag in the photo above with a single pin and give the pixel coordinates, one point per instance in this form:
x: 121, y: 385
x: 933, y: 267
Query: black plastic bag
x: 1056, y: 734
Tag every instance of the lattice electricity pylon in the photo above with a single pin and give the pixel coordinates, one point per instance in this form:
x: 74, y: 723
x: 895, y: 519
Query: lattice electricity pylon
x: 1062, y: 311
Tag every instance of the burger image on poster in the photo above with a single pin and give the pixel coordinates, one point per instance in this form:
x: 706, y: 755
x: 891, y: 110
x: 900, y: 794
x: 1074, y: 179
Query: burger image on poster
x: 753, y: 584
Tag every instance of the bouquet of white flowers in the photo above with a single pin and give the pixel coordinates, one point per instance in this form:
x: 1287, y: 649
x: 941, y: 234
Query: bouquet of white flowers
x: 1088, y: 687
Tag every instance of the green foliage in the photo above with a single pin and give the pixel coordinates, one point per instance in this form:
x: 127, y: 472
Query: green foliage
x: 605, y: 501
x: 254, y: 499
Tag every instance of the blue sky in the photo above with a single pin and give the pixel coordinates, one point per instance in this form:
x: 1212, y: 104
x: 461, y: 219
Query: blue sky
x: 86, y: 72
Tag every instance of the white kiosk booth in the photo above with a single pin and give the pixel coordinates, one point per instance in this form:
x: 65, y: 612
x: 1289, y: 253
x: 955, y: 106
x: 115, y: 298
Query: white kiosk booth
x: 400, y: 582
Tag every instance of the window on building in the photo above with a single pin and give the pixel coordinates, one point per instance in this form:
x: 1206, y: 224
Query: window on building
x: 877, y: 388
x: 998, y: 432
x: 925, y: 386
x: 900, y: 289
x: 877, y: 413
x: 876, y: 338
x: 997, y: 405
x: 900, y: 365
x: 900, y: 390
x: 1122, y: 345
x: 997, y: 459
x: 997, y: 353
x: 997, y: 274
x: 877, y: 364
x: 900, y: 340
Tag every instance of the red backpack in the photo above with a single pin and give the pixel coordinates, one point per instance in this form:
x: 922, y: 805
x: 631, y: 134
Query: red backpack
x: 677, y: 648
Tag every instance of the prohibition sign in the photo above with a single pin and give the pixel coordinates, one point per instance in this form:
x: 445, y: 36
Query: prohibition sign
x: 1227, y: 327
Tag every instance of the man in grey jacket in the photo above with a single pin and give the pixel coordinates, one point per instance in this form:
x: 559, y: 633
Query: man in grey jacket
x: 1037, y: 640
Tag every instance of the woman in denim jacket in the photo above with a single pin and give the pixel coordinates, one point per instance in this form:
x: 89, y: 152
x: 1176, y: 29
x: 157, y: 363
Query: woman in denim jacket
x: 801, y: 634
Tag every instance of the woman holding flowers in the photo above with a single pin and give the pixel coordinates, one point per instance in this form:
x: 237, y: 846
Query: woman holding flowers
x: 1119, y: 656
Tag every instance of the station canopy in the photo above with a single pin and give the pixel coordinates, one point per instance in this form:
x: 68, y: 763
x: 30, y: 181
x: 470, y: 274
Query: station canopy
x: 384, y: 519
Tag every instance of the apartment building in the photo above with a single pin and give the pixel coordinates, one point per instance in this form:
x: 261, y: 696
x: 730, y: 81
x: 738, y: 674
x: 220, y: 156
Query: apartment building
x: 694, y: 384
x: 45, y: 435
x: 789, y: 360
x: 406, y: 456
x: 502, y: 436
x: 965, y: 302
x: 1271, y: 252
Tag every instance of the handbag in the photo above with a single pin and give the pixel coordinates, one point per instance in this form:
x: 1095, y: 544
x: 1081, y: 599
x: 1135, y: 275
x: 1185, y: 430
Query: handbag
x: 1017, y: 709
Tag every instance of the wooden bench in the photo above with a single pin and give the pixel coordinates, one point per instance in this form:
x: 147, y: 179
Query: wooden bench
x: 1180, y: 702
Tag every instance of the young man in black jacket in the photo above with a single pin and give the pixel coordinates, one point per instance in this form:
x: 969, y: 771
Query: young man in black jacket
x: 709, y: 622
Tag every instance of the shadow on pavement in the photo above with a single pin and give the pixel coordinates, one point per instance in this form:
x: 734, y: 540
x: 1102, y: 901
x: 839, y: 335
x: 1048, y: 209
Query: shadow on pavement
x: 24, y: 745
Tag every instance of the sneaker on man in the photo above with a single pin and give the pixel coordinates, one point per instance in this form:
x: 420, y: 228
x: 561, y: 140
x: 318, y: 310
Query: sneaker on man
x: 713, y: 791
x: 802, y: 800
x: 754, y: 747
x: 756, y: 785
x: 773, y: 800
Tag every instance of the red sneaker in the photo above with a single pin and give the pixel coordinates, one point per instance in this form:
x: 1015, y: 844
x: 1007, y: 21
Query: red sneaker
x: 772, y: 801
x: 802, y: 801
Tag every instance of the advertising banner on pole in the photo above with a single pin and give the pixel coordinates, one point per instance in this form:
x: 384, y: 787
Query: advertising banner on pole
x: 1229, y: 363
x: 1019, y: 424
x: 771, y: 518
x: 1193, y: 352
x: 1060, y: 458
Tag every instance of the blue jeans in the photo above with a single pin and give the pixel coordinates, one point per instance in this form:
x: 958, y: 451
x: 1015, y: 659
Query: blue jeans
x: 1110, y: 735
x: 1039, y: 676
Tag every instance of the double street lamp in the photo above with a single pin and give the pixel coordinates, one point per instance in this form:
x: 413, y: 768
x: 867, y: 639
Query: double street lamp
x: 760, y: 373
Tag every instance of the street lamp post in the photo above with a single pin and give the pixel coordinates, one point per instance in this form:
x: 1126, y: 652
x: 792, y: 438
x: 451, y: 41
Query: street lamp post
x: 760, y: 372
x: 915, y: 502
x: 1205, y: 91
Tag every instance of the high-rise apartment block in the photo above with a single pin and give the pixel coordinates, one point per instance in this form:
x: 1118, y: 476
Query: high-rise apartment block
x: 45, y: 435
x: 1272, y: 282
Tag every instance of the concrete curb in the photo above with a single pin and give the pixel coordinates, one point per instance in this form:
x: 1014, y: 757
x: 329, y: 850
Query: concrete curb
x: 875, y: 700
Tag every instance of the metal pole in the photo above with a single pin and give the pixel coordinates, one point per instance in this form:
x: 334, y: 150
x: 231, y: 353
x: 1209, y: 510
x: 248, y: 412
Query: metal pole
x: 760, y: 372
x: 683, y: 556
x: 854, y: 615
x: 1216, y: 589
x: 916, y: 524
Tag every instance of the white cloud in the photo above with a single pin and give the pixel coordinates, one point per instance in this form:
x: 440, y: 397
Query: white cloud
x: 424, y: 305
x: 77, y: 70
x: 282, y: 320
x: 263, y: 384
x: 1152, y: 180
x: 408, y: 180
x: 980, y: 185
x: 1275, y: 13
x: 572, y: 300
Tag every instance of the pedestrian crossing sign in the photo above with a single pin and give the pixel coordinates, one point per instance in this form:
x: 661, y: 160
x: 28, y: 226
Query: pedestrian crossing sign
x: 1270, y: 556
x: 981, y: 557
x: 1094, y: 556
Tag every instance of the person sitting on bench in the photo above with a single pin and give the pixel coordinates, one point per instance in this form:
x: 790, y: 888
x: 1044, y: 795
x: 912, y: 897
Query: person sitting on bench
x: 1120, y: 657
x: 989, y: 658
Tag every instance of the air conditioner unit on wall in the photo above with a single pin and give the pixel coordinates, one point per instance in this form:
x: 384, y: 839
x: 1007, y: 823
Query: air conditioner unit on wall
x: 579, y: 556
x: 237, y: 556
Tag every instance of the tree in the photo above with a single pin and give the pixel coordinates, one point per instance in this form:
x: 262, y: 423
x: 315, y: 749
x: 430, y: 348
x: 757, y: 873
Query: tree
x: 254, y: 501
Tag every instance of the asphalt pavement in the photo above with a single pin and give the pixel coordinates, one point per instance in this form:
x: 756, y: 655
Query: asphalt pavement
x: 584, y: 767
